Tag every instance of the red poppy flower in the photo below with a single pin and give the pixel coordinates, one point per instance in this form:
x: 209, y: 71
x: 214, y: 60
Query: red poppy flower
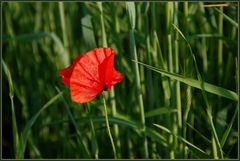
x: 90, y: 74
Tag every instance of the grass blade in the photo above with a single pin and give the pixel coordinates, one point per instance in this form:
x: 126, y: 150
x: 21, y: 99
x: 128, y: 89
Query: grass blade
x: 190, y: 48
x: 79, y: 134
x: 195, y: 83
x: 132, y: 13
x: 25, y: 133
x: 228, y: 130
x: 209, y: 108
x: 234, y: 23
x: 62, y: 55
x: 87, y: 31
x: 159, y: 111
x: 14, y: 122
x: 204, y: 137
x: 64, y: 30
x: 215, y: 140
x: 181, y: 138
x: 94, y: 144
x: 112, y: 92
x: 122, y: 120
x: 104, y: 38
x: 220, y: 49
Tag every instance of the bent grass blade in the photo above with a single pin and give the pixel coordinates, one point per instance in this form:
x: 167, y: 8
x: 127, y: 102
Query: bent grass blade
x: 122, y: 120
x: 195, y: 83
x: 181, y: 139
x: 159, y: 111
x: 229, y: 127
x: 62, y: 55
x: 14, y: 122
x: 30, y: 123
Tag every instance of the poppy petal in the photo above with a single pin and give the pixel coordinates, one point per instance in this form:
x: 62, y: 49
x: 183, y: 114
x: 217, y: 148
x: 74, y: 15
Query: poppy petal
x: 102, y: 53
x: 106, y: 70
x: 91, y: 73
x: 83, y: 85
x: 90, y: 68
x: 82, y: 94
x: 93, y: 59
x: 117, y: 77
x: 67, y: 72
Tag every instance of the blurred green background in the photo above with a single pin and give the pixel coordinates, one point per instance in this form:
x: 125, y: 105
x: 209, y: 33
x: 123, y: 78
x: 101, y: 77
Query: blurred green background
x: 151, y: 115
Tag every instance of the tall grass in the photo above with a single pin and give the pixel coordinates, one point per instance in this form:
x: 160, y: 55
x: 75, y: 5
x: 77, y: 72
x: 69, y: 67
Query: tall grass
x: 132, y: 17
x: 178, y: 97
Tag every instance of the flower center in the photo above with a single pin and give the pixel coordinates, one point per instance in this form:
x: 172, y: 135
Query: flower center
x: 104, y: 88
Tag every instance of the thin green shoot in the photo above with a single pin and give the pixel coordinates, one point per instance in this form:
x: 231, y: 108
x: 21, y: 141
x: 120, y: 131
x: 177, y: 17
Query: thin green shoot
x: 108, y: 128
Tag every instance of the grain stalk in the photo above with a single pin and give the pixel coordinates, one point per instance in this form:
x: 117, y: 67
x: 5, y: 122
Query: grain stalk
x: 177, y: 84
x: 171, y: 119
x: 112, y: 92
x: 188, y: 89
x: 132, y: 18
x: 208, y: 107
x: 64, y: 32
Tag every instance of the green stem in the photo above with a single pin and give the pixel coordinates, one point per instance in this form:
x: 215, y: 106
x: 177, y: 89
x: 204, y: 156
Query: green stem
x: 115, y: 127
x: 140, y: 95
x: 220, y: 46
x: 64, y: 31
x: 79, y: 134
x: 185, y: 7
x: 177, y: 84
x: 188, y: 89
x: 214, y: 133
x: 112, y: 92
x: 185, y: 117
x: 220, y: 53
x: 94, y: 141
x: 176, y: 64
x: 170, y: 139
x: 14, y: 121
x: 108, y: 128
x: 214, y: 148
x: 172, y: 103
x: 104, y: 39
x: 132, y: 16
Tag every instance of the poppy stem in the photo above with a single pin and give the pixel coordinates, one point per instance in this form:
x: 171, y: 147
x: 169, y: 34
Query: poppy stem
x: 108, y: 127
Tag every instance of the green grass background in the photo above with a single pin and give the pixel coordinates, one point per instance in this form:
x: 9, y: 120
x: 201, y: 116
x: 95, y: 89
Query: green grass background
x: 181, y: 101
